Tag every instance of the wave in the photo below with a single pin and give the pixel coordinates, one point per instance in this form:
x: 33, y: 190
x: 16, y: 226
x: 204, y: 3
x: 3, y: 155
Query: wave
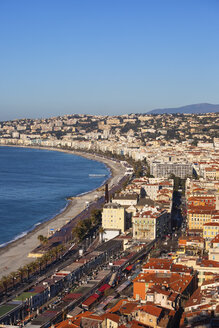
x: 15, y: 238
x: 24, y: 233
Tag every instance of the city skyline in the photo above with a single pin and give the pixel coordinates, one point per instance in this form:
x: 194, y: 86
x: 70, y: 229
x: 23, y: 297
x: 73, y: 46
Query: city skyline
x: 106, y: 58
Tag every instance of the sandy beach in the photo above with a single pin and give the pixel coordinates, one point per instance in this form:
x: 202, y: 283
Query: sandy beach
x: 15, y: 254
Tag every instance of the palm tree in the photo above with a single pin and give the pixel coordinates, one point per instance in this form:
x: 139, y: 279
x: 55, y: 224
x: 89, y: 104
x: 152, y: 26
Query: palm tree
x: 95, y: 216
x: 21, y: 272
x: 39, y: 262
x: 78, y: 232
x: 13, y: 276
x: 51, y: 254
x: 62, y: 249
x: 75, y: 234
x: 43, y: 240
x: 2, y: 286
x: 5, y: 282
x: 46, y: 257
x: 40, y: 238
x: 58, y: 249
x: 32, y: 267
x: 28, y: 268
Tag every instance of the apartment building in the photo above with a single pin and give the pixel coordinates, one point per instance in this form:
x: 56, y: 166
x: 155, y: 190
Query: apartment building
x: 113, y: 217
x: 213, y: 252
x: 197, y: 216
x: 150, y: 223
x: 210, y: 230
x: 201, y: 310
x: 207, y: 269
x: 178, y: 283
x: 181, y: 170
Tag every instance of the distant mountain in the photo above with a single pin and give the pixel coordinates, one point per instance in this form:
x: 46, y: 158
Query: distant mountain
x: 189, y: 109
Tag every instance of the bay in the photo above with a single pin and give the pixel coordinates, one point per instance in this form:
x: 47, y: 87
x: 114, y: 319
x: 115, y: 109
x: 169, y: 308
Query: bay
x: 35, y: 184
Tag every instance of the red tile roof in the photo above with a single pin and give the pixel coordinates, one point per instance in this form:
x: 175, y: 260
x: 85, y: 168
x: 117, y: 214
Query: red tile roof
x: 151, y: 309
x: 175, y: 281
x: 216, y: 239
x: 112, y: 317
x: 72, y: 296
x: 104, y: 287
x: 212, y: 224
x: 90, y: 300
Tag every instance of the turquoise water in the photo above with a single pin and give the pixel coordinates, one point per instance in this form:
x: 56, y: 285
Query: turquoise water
x: 35, y: 183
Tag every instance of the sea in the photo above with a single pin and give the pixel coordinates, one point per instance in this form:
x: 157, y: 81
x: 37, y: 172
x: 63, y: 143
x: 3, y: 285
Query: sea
x: 35, y: 185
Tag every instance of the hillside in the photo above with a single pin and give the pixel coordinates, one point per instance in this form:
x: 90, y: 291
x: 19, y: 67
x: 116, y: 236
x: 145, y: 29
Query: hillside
x: 189, y: 109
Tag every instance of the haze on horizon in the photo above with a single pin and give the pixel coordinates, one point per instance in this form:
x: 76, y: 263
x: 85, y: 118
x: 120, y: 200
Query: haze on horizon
x: 106, y: 57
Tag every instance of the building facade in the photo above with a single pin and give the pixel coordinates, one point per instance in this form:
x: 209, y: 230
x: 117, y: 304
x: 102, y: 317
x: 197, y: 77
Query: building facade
x: 113, y: 217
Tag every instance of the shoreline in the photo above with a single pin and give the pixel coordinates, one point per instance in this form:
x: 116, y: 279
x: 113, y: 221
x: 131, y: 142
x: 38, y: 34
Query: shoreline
x: 15, y: 254
x: 69, y: 199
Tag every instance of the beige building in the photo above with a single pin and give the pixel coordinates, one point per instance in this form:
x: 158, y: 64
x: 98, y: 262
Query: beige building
x: 113, y: 121
x: 113, y: 217
x: 211, y: 173
x: 197, y: 216
x: 207, y: 269
x: 217, y: 201
x: 111, y: 321
x: 149, y: 315
x: 210, y: 230
x: 213, y: 252
x: 150, y: 224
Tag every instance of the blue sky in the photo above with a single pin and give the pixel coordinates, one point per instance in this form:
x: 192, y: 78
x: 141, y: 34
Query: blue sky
x: 106, y: 56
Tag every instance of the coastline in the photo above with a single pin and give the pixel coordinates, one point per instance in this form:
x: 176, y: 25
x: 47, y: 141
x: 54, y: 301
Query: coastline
x: 15, y: 254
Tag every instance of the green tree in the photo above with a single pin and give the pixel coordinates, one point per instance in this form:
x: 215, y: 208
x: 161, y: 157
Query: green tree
x: 29, y: 269
x: 39, y: 263
x: 40, y: 238
x: 43, y: 240
x: 46, y: 258
x: 13, y: 276
x: 58, y: 250
x: 34, y: 267
x: 96, y: 217
x: 21, y: 272
x: 5, y: 281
